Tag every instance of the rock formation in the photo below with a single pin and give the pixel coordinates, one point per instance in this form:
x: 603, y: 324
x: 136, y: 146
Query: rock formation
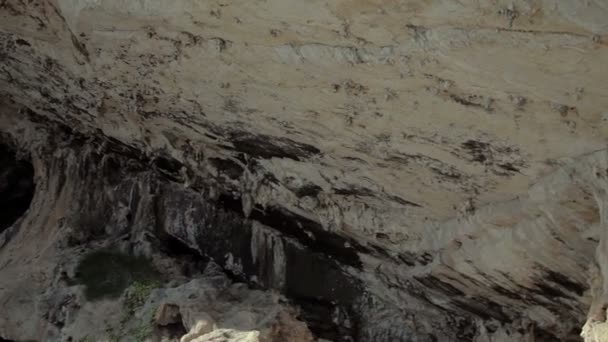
x: 303, y: 170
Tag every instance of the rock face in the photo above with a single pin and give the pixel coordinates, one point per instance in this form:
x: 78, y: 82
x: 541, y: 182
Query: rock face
x: 397, y: 170
x: 95, y: 200
x: 16, y: 187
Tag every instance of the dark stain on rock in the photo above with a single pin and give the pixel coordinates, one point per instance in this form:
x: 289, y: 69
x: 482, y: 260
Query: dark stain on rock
x: 174, y: 247
x: 434, y: 283
x: 509, y: 167
x: 548, y: 291
x: 308, y: 190
x: 231, y: 105
x: 466, y: 330
x: 267, y: 147
x: 112, y: 169
x: 22, y: 42
x: 358, y: 160
x: 449, y: 173
x: 75, y: 42
x: 311, y: 234
x: 227, y: 167
x: 483, y: 308
x: 382, y: 236
x: 412, y: 259
x: 542, y: 295
x: 465, y: 101
x: 544, y: 335
x: 318, y: 283
x: 358, y: 191
x: 438, y: 167
x: 221, y: 44
x: 353, y: 88
x: 169, y: 167
x: 314, y: 259
x: 10, y: 8
x: 508, y: 293
x: 499, y: 159
x: 118, y: 147
x: 418, y: 32
x: 550, y: 284
x: 565, y: 282
x: 380, y: 250
x: 407, y: 258
x: 476, y: 101
x: 404, y: 201
x: 354, y: 190
x: 230, y: 203
x: 478, y: 150
x: 80, y: 47
x: 425, y: 258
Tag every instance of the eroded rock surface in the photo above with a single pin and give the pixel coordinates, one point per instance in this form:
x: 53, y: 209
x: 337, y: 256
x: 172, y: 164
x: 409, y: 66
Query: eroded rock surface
x: 16, y: 186
x: 398, y: 170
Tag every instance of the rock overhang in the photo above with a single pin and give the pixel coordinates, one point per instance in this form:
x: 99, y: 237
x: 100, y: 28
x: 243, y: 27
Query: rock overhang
x: 408, y: 128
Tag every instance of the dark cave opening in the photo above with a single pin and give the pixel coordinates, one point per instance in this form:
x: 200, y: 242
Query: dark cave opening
x: 192, y: 261
x: 325, y: 319
x: 16, y: 186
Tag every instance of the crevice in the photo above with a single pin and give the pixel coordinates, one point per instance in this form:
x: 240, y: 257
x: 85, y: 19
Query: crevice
x: 16, y: 186
x: 324, y: 319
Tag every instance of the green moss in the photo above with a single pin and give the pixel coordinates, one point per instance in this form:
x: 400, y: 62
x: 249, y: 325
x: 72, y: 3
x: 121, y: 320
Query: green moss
x: 107, y: 273
x: 137, y: 295
x: 142, y: 332
x: 144, y: 328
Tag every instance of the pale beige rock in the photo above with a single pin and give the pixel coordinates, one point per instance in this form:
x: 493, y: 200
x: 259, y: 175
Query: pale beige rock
x: 468, y: 134
x: 198, y: 325
x: 228, y: 335
x: 595, y: 332
x: 368, y: 84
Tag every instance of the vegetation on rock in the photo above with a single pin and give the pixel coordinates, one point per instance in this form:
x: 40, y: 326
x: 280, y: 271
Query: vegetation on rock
x: 107, y: 273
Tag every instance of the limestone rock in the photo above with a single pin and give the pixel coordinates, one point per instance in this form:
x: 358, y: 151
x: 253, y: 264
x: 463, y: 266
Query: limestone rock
x: 393, y: 170
x: 227, y: 335
x: 201, y: 326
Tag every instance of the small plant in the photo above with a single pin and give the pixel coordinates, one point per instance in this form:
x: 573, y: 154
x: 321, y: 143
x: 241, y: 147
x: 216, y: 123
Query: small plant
x: 144, y: 328
x: 138, y: 294
x: 107, y: 273
x: 142, y: 332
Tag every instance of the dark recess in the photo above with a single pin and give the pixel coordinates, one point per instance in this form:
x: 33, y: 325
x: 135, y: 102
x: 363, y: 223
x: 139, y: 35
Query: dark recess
x: 192, y: 261
x: 16, y: 186
x: 310, y: 190
x: 311, y: 234
x: 319, y: 315
x: 266, y: 147
x: 228, y: 167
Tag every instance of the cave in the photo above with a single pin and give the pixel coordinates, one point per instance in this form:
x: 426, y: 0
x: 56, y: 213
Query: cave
x: 16, y: 186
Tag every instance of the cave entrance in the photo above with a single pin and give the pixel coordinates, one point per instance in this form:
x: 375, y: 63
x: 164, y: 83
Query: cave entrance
x: 16, y: 186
